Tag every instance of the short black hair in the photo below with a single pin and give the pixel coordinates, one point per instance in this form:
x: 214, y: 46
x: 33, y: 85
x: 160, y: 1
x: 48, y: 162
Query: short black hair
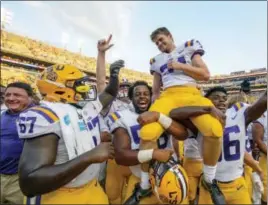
x: 23, y: 86
x: 161, y: 30
x: 215, y: 89
x: 138, y: 83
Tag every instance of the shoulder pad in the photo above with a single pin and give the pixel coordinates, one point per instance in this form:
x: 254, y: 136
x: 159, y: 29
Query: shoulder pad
x: 114, y: 116
x: 45, y: 112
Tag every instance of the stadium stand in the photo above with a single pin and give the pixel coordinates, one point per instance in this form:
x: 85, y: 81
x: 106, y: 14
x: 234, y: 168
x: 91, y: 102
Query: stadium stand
x: 22, y: 57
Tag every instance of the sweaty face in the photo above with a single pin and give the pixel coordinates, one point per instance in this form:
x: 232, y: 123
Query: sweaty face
x: 163, y: 42
x: 219, y: 99
x: 17, y: 99
x: 141, y: 98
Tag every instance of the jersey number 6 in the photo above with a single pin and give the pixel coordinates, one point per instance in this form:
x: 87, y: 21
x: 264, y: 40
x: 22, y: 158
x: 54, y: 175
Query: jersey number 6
x: 229, y: 144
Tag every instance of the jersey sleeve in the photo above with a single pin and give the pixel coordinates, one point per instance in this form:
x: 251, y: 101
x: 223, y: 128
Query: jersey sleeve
x: 261, y: 120
x: 38, y: 121
x: 153, y: 67
x: 103, y: 125
x: 115, y: 121
x: 194, y: 47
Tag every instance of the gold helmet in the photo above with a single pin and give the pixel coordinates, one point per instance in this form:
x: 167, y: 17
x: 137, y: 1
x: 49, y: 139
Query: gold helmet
x: 169, y: 182
x: 66, y: 83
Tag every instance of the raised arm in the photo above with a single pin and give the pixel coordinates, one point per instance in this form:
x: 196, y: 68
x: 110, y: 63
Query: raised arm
x: 37, y: 172
x: 110, y: 92
x: 256, y: 110
x: 103, y: 46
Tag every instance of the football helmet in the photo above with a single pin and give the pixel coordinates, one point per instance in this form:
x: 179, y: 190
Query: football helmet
x: 67, y: 84
x: 169, y: 181
x: 123, y: 90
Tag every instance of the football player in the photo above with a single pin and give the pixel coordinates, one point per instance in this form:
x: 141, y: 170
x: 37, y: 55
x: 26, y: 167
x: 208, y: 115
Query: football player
x: 178, y: 69
x: 62, y: 153
x: 259, y: 133
x: 113, y: 176
x: 230, y: 164
x: 125, y: 125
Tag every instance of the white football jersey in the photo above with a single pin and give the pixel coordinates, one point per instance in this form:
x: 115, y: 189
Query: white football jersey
x: 263, y: 121
x: 182, y: 54
x: 117, y: 105
x: 191, y: 147
x: 128, y: 120
x: 41, y: 120
x: 230, y: 164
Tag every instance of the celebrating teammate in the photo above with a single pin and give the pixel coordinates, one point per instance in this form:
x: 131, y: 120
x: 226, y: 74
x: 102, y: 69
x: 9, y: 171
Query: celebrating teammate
x: 62, y: 150
x: 178, y: 69
x: 230, y: 164
x: 125, y: 127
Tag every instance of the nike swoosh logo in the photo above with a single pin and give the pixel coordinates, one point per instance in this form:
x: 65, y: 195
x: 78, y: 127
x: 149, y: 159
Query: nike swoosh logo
x: 234, y: 117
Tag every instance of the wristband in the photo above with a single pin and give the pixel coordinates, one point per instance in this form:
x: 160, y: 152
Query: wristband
x: 145, y: 155
x: 165, y: 121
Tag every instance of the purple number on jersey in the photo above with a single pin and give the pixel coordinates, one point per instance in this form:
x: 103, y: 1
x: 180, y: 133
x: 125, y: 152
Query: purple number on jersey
x: 228, y: 144
x: 22, y: 126
x: 164, y: 67
x: 92, y: 124
x: 161, y: 142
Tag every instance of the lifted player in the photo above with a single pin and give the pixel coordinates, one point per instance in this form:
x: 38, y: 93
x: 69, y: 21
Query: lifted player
x: 178, y: 68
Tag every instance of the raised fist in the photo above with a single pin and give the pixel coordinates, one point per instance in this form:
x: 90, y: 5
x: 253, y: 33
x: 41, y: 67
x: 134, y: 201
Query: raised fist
x: 115, y: 68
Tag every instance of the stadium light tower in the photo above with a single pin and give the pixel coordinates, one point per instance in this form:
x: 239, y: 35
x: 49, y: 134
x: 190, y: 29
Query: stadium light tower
x: 6, y: 18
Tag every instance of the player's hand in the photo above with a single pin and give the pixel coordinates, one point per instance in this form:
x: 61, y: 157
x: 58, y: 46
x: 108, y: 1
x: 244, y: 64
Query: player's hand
x: 174, y: 65
x: 115, y: 68
x: 162, y: 155
x: 104, y: 45
x: 218, y: 115
x: 148, y: 117
x: 105, y: 137
x: 102, y: 153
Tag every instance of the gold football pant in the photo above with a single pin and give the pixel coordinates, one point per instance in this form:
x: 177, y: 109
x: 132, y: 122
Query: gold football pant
x: 116, y: 177
x: 175, y: 97
x: 235, y: 192
x: 193, y: 168
x: 91, y: 193
x: 263, y: 165
x: 247, y: 176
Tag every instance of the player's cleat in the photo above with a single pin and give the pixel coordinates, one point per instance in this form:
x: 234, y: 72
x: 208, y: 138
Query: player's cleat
x: 215, y: 192
x: 137, y: 195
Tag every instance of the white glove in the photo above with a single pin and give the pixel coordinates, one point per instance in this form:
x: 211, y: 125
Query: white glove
x: 257, y: 183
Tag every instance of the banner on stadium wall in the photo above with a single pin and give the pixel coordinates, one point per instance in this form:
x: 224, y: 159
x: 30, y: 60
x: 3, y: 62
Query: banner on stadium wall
x: 20, y: 63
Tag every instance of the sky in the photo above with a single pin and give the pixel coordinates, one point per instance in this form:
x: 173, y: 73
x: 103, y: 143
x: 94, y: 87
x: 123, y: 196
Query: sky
x: 233, y: 33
